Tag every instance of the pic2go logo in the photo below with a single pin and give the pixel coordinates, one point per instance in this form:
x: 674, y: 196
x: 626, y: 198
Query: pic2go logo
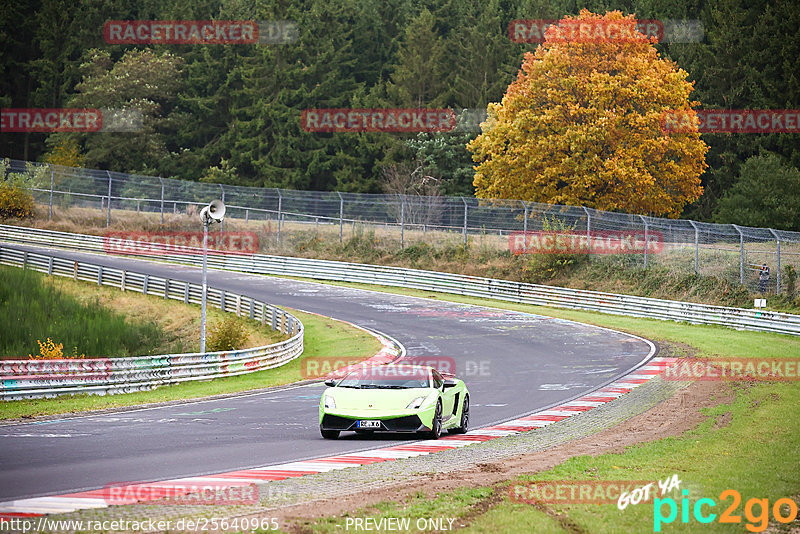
x: 757, y: 522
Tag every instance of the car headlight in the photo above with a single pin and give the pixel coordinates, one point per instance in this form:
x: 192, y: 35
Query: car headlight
x: 416, y: 403
x: 329, y: 402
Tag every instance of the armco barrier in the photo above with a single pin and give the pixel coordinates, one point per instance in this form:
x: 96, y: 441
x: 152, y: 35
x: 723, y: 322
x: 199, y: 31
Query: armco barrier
x: 542, y: 295
x: 47, y: 378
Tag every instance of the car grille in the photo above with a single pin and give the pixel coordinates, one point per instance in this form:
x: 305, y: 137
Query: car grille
x: 334, y: 422
x: 408, y: 423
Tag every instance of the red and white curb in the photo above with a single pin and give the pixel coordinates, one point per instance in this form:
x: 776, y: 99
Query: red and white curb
x: 102, y: 498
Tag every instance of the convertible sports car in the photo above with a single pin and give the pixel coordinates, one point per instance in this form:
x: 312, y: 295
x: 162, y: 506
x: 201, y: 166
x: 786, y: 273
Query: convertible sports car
x: 394, y: 398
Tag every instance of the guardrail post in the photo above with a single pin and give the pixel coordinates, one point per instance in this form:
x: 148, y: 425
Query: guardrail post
x: 741, y: 254
x: 466, y: 211
x: 696, y: 248
x: 186, y: 292
x: 222, y: 300
x: 108, y: 213
x: 252, y: 309
x: 247, y: 215
x: 263, y: 314
x: 778, y: 250
x: 238, y: 305
x: 166, y: 288
x: 75, y: 271
x: 341, y: 215
x: 402, y: 221
x: 274, y: 319
x: 50, y: 265
x: 100, y: 275
x: 145, y: 283
x: 162, y: 199
x: 122, y: 284
x: 646, y: 239
x: 52, y: 186
x: 280, y: 202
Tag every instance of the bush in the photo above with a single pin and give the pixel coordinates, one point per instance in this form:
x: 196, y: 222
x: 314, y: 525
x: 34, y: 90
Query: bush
x: 15, y: 202
x: 227, y: 334
x: 790, y: 277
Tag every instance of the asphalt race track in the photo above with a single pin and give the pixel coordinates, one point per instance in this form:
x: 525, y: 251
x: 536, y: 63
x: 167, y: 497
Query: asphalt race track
x: 513, y: 364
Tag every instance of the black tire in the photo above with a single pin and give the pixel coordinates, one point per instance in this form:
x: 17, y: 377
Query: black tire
x: 436, y: 425
x: 329, y: 434
x: 464, y: 419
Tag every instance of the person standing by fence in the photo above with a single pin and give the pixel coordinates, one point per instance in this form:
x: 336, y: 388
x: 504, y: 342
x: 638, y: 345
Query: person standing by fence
x: 763, y: 278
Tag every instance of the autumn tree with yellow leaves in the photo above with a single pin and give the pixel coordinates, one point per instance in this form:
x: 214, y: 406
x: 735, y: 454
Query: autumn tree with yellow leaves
x: 582, y: 124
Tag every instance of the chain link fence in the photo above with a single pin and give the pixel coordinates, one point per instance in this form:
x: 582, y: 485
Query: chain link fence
x: 735, y: 253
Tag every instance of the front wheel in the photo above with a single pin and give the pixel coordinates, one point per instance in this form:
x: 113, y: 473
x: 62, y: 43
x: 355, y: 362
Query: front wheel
x: 464, y: 419
x: 329, y: 434
x: 436, y: 425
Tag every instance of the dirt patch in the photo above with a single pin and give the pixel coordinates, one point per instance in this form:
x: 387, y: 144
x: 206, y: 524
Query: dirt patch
x: 672, y: 417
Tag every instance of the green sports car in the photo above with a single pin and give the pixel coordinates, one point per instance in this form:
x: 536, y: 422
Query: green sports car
x: 394, y: 398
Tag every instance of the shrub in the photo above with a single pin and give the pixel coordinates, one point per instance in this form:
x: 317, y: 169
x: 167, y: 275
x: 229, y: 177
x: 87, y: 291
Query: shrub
x: 542, y: 267
x: 227, y: 334
x: 15, y: 202
x: 790, y: 276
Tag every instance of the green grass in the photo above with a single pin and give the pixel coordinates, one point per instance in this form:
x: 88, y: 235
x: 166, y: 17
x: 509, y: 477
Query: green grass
x: 323, y: 337
x: 455, y: 505
x: 34, y: 310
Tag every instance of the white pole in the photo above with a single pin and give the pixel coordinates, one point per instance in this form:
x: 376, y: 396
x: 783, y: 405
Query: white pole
x: 205, y: 290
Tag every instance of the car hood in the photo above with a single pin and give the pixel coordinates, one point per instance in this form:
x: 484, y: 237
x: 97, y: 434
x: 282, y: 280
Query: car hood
x: 375, y: 399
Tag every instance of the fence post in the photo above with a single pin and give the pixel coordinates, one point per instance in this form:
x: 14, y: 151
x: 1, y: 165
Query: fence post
x: 341, y: 215
x: 741, y: 254
x: 52, y: 182
x: 222, y: 223
x: 778, y: 275
x: 696, y: 248
x: 525, y: 227
x: 108, y: 214
x: 162, y: 200
x: 646, y: 239
x: 466, y: 211
x: 588, y: 225
x: 402, y: 221
x: 280, y: 205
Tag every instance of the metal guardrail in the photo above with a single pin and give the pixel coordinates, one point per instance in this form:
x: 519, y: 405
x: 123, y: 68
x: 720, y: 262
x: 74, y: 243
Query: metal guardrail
x: 541, y: 295
x: 48, y: 378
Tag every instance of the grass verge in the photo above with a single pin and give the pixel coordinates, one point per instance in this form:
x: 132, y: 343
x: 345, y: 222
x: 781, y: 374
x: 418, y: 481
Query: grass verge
x: 34, y: 309
x: 323, y: 337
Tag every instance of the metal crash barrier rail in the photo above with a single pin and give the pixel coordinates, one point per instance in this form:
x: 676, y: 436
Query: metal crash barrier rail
x: 48, y: 378
x: 541, y: 295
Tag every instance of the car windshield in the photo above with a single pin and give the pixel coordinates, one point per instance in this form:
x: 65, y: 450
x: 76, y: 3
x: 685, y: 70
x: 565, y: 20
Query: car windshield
x: 387, y: 377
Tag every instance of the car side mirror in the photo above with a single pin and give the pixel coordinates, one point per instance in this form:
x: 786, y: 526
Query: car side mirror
x: 330, y: 382
x: 450, y: 382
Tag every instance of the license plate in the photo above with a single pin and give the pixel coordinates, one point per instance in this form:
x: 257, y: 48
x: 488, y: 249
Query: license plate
x: 368, y: 424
